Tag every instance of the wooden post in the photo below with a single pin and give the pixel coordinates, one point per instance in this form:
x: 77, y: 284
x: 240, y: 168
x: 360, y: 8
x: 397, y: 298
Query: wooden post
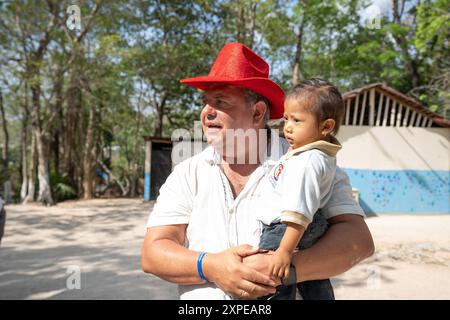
x: 363, y: 110
x: 386, y: 108
x: 430, y: 123
x: 355, y: 110
x: 399, y: 115
x: 413, y: 118
x: 347, y: 112
x: 419, y: 118
x: 405, y: 118
x: 392, y: 118
x: 380, y: 110
x: 424, y: 121
x: 372, y: 108
x: 147, y: 170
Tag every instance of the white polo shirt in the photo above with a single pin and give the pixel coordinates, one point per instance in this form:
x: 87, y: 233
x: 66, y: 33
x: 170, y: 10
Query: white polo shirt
x: 197, y: 193
x: 300, y: 183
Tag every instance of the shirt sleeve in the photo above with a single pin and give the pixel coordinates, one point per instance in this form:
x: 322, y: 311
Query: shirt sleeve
x: 341, y: 200
x: 303, y: 187
x: 174, y: 203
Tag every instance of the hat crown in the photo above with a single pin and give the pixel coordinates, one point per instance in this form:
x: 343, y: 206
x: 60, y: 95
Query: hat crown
x: 236, y: 61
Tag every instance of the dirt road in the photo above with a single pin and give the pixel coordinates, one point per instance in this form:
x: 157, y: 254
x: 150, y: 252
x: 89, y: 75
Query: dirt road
x: 44, y: 248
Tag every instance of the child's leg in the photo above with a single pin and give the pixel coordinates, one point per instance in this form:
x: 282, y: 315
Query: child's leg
x: 270, y: 240
x: 315, y: 289
x: 271, y: 236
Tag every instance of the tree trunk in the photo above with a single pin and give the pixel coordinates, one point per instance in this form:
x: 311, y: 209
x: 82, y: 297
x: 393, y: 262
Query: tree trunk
x: 5, y: 155
x: 252, y: 25
x: 44, y: 193
x: 159, y: 121
x: 411, y: 63
x: 297, y: 70
x: 73, y: 118
x: 24, y: 153
x: 32, y: 172
x: 89, y: 156
x: 58, y: 125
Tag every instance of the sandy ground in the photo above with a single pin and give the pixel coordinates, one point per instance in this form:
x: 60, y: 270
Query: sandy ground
x: 44, y: 247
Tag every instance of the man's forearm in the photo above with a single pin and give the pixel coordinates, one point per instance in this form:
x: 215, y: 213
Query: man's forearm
x: 171, y: 262
x: 347, y: 242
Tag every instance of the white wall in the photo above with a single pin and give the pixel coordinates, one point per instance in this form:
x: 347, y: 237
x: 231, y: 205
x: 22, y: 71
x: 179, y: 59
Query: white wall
x: 394, y: 148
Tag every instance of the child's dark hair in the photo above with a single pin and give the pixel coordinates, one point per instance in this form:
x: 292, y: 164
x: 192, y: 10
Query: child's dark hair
x: 324, y: 99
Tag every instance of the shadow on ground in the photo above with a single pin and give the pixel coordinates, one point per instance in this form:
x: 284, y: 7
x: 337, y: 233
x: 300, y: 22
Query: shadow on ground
x: 38, y: 249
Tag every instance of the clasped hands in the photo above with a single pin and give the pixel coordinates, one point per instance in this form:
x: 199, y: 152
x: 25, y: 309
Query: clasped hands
x: 243, y: 271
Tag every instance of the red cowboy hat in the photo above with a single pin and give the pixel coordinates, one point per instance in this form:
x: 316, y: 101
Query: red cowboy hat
x: 238, y: 65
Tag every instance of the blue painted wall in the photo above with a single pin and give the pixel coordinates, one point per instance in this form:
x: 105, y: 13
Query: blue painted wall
x: 416, y: 191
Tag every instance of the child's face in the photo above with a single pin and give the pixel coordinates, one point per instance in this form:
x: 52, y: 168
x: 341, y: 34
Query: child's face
x: 300, y: 125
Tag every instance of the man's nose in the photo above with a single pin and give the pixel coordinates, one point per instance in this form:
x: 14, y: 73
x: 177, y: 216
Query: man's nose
x: 210, y: 112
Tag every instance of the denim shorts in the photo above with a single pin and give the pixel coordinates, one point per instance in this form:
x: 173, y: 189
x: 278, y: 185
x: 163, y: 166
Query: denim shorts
x: 310, y: 290
x: 272, y: 234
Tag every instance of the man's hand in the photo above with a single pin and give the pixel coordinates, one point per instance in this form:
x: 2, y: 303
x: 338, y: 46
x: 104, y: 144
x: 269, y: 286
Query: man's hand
x: 228, y: 272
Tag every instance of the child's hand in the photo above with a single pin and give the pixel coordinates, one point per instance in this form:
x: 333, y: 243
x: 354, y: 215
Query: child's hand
x: 280, y: 263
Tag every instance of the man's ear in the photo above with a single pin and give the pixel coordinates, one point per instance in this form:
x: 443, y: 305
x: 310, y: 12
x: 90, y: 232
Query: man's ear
x: 327, y: 127
x: 259, y: 109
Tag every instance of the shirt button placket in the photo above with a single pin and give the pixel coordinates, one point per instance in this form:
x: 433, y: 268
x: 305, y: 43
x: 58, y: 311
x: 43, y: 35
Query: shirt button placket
x: 231, y: 231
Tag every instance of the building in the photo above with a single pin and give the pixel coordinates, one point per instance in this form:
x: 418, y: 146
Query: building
x: 395, y: 151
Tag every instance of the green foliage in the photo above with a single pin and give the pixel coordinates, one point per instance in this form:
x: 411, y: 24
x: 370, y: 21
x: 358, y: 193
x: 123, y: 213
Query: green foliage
x: 61, y: 188
x: 129, y: 64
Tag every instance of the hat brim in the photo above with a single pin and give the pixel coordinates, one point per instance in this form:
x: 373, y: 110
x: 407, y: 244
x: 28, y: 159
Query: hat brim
x: 263, y: 86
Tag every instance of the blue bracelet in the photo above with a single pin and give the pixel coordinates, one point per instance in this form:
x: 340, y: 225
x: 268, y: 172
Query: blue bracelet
x: 199, y: 266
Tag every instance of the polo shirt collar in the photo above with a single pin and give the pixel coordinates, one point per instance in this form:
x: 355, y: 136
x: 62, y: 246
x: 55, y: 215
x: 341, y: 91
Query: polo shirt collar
x: 330, y: 148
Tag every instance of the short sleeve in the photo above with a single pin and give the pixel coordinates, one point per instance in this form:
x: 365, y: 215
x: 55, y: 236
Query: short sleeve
x: 341, y: 200
x: 304, y: 183
x: 174, y: 203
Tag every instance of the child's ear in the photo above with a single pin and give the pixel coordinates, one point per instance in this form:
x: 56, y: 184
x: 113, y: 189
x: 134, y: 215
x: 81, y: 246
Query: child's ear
x: 328, y: 127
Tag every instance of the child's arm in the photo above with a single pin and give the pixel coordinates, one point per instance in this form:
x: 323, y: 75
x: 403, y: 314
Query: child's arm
x: 282, y: 257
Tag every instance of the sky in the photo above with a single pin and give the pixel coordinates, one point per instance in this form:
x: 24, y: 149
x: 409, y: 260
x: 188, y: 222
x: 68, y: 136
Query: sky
x: 377, y: 8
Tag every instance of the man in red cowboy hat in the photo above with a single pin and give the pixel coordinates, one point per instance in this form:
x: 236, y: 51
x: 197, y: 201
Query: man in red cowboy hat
x: 202, y: 231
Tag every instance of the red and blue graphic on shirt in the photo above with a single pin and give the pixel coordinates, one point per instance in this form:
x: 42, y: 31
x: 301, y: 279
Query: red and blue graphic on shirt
x: 278, y: 171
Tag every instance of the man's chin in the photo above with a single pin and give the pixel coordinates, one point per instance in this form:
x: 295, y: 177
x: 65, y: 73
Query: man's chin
x: 214, y: 139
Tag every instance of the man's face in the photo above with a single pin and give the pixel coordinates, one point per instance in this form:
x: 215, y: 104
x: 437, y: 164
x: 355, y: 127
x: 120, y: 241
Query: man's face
x: 300, y: 125
x: 225, y: 108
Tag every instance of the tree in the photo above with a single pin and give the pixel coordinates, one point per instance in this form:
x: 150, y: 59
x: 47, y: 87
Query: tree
x: 5, y: 155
